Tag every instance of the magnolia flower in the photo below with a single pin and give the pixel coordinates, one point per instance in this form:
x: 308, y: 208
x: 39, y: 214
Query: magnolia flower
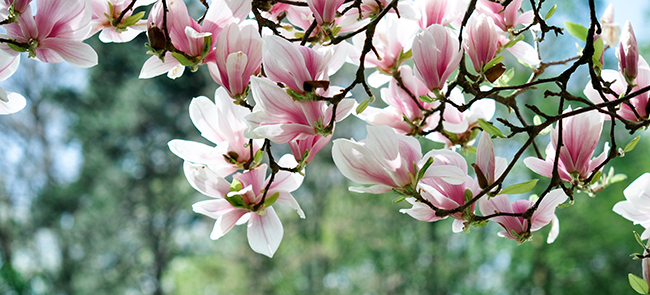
x: 386, y: 160
x: 104, y: 12
x: 480, y: 40
x: 628, y: 54
x: 580, y: 135
x: 221, y: 123
x: 10, y: 102
x: 19, y: 7
x: 508, y: 17
x: 402, y: 107
x: 311, y: 144
x: 441, y: 193
x: 436, y: 55
x: 639, y: 103
x: 636, y: 206
x: 194, y: 41
x: 281, y: 119
x: 515, y: 227
x: 491, y: 167
x: 433, y: 12
x: 611, y: 30
x: 240, y: 201
x: 238, y: 56
x: 374, y: 7
x: 324, y: 10
x: 55, y: 33
x: 392, y: 39
x: 293, y: 64
x: 458, y: 125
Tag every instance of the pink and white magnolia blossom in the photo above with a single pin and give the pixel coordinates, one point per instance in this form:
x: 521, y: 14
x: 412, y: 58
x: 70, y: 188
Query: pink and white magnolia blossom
x: 401, y: 104
x: 491, y: 167
x: 10, y: 102
x: 104, y: 12
x: 392, y: 40
x: 195, y: 41
x: 628, y: 54
x: 515, y: 227
x: 611, y: 30
x: 55, y: 33
x: 19, y: 7
x: 237, y: 204
x: 386, y: 160
x: 238, y: 56
x: 324, y: 10
x: 222, y: 123
x: 459, y: 123
x: 433, y: 12
x: 436, y: 55
x: 480, y: 40
x: 580, y: 135
x: 508, y: 17
x: 619, y: 85
x: 374, y: 7
x: 281, y: 119
x: 442, y: 194
x: 636, y: 206
x: 292, y: 64
x: 312, y: 143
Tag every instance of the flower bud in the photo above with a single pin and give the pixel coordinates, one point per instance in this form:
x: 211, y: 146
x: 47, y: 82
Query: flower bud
x: 611, y: 30
x: 480, y: 41
x: 628, y: 54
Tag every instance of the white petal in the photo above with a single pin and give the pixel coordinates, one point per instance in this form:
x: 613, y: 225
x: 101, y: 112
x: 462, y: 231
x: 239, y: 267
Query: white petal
x: 265, y: 232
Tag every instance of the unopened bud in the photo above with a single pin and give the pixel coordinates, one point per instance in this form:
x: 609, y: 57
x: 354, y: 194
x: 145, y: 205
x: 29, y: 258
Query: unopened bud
x: 628, y: 54
x: 611, y: 30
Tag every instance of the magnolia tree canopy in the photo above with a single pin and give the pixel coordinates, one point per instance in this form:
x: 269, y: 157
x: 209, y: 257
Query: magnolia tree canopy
x: 441, y: 72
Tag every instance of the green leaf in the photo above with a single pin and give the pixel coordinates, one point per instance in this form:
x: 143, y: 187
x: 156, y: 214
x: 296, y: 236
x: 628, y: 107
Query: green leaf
x: 638, y: 284
x: 537, y: 120
x: 406, y: 55
x: 425, y: 167
x: 426, y: 98
x: 236, y: 201
x: 577, y: 30
x: 489, y: 128
x: 182, y: 59
x: 638, y: 239
x: 616, y: 178
x: 468, y: 195
x: 599, y: 46
x: 399, y: 199
x: 259, y: 154
x: 16, y: 47
x: 207, y: 45
x: 513, y: 41
x: 630, y: 146
x: 362, y: 106
x: 269, y: 201
x: 550, y: 12
x: 495, y: 61
x: 235, y: 186
x: 470, y: 150
x: 519, y: 188
x: 132, y: 20
x: 596, y: 177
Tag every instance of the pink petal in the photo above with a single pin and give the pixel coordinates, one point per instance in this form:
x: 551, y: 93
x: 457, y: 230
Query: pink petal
x: 154, y: 66
x: 226, y: 222
x: 205, y: 180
